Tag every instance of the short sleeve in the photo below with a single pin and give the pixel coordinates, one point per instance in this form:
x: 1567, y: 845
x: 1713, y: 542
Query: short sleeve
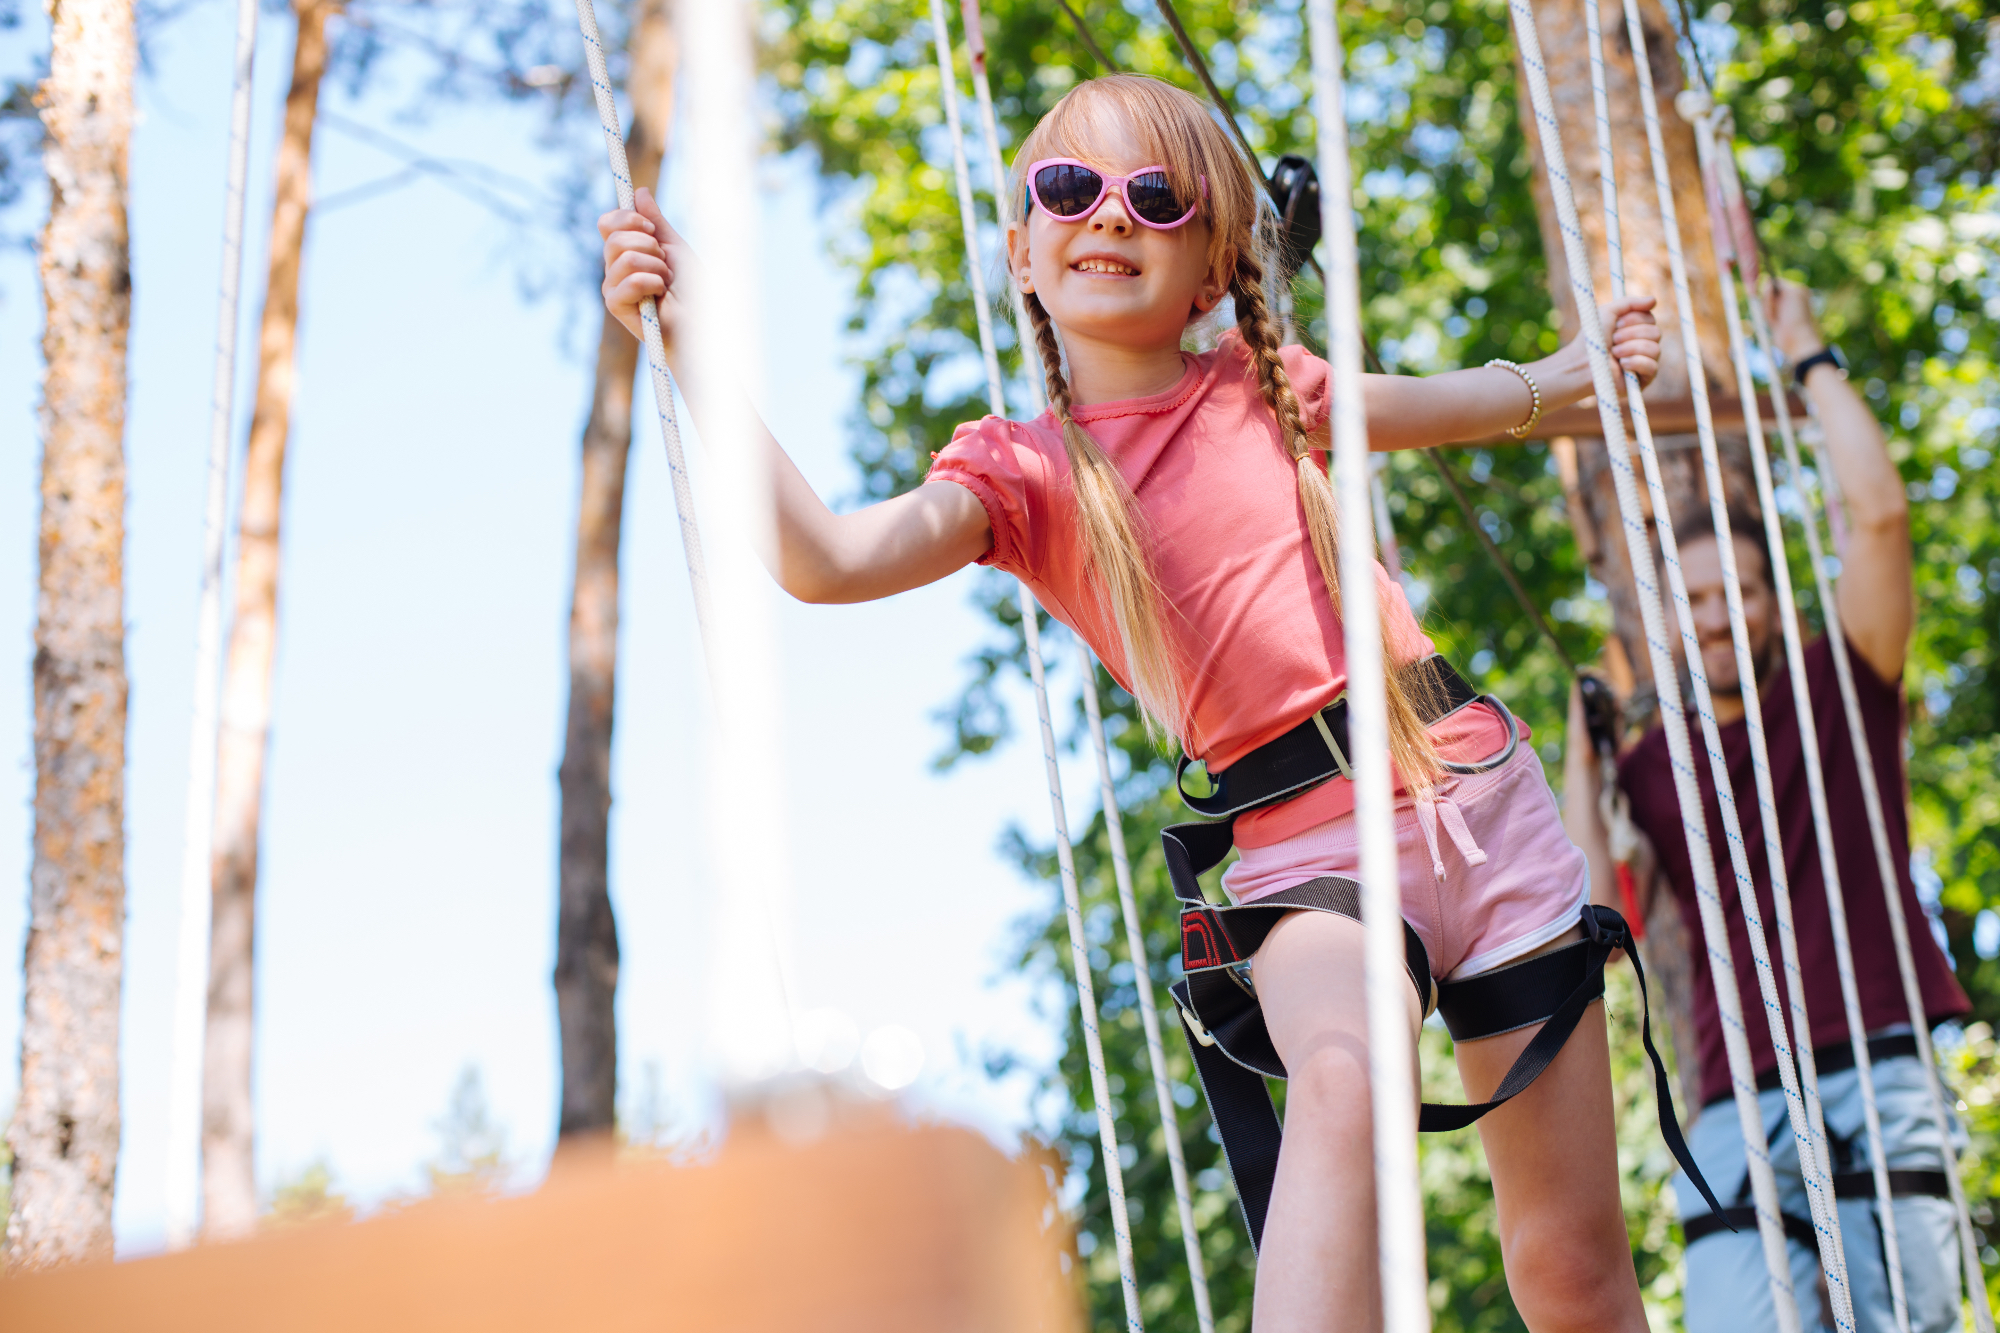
x: 992, y: 459
x: 1311, y: 381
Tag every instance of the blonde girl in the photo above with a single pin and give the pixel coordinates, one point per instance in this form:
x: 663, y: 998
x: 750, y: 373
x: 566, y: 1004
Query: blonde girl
x: 1174, y: 510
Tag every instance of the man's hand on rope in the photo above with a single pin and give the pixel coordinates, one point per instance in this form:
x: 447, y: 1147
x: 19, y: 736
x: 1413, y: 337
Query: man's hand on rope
x: 1789, y: 308
x: 641, y: 255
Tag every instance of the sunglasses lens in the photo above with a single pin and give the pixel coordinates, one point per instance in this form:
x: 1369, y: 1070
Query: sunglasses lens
x: 1067, y: 190
x: 1152, y: 198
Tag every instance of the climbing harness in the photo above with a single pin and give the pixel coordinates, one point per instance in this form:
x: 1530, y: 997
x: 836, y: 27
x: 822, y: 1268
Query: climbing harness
x: 1638, y: 541
x: 191, y: 952
x: 1224, y: 1022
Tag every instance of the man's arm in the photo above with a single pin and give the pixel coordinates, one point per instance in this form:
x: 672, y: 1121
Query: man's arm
x: 1876, y: 597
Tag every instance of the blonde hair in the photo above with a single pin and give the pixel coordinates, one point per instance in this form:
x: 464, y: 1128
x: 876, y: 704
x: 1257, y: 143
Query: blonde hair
x: 1176, y: 131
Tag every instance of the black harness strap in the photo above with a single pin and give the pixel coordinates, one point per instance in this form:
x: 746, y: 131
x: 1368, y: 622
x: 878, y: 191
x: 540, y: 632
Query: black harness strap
x: 1224, y: 1022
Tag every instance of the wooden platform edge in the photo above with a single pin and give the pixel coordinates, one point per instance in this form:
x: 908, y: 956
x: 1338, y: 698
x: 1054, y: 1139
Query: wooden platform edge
x: 875, y: 1227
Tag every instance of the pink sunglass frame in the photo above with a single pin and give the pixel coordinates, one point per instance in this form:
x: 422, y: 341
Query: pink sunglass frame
x: 1107, y: 183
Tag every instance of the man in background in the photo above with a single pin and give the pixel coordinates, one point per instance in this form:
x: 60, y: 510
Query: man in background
x: 1727, y: 1287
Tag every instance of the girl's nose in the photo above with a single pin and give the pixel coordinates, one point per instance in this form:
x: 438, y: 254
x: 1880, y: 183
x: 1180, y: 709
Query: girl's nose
x: 1111, y: 216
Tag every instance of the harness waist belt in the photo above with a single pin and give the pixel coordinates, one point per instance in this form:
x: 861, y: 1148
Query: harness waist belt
x: 1833, y: 1058
x: 1316, y: 750
x: 1852, y: 1185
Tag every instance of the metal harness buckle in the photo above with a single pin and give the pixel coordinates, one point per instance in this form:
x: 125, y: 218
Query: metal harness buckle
x: 1326, y: 734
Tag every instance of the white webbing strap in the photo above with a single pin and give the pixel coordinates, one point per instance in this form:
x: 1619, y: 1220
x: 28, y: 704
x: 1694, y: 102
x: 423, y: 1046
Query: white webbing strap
x: 1079, y: 941
x: 1722, y: 968
x: 1801, y: 1086
x: 1715, y: 142
x: 1391, y: 1061
x: 649, y: 317
x: 191, y: 948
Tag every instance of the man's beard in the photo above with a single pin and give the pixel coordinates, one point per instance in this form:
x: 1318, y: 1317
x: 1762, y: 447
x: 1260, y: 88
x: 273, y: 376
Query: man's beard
x: 1763, y: 659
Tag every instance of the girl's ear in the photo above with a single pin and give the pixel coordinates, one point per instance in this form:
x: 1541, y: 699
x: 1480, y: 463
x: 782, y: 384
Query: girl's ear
x: 1216, y: 283
x: 1019, y: 271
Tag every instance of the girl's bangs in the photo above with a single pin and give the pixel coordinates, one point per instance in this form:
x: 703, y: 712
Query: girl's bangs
x: 1154, y: 113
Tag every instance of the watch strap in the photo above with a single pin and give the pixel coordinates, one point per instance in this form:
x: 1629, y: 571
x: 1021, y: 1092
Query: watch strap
x: 1828, y: 355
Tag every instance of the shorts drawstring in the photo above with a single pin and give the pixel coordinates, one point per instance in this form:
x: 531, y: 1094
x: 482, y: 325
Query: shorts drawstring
x: 1433, y: 809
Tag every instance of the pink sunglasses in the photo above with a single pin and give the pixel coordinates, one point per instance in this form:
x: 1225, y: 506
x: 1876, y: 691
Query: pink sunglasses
x: 1071, y: 191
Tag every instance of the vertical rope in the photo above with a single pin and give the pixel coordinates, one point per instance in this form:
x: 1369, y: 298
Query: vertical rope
x: 1149, y: 1014
x: 1731, y: 197
x: 1801, y: 699
x: 1079, y: 940
x: 1024, y: 337
x: 751, y: 1033
x: 1385, y: 531
x: 1801, y: 1086
x: 1391, y: 1061
x: 191, y: 949
x: 649, y: 316
x: 1086, y: 990
x: 1639, y: 547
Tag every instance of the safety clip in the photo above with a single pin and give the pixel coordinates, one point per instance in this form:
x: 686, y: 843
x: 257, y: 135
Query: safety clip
x: 1326, y: 734
x: 1201, y: 1034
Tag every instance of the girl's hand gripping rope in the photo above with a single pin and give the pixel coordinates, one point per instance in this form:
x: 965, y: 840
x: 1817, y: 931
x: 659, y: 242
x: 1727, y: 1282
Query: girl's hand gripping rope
x: 913, y: 539
x: 641, y: 254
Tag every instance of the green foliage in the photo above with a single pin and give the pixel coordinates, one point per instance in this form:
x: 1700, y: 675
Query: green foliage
x: 1973, y: 1069
x: 1869, y: 143
x: 309, y: 1196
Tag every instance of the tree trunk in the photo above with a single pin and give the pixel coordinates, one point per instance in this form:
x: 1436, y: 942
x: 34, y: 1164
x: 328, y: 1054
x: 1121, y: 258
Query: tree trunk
x: 65, y: 1129
x: 586, y: 973
x: 229, y: 1179
x: 1584, y: 462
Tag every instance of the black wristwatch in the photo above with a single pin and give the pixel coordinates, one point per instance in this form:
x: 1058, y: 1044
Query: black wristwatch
x: 1826, y: 356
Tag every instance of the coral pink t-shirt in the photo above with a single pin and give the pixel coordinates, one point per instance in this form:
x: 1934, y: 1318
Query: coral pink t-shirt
x: 1231, y: 552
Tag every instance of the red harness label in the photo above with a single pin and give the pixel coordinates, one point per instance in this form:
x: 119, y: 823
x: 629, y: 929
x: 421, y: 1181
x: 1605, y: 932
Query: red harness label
x: 1204, y: 941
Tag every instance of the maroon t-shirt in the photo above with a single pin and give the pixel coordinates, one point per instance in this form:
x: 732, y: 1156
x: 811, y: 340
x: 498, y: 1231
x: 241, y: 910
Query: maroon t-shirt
x: 1647, y: 778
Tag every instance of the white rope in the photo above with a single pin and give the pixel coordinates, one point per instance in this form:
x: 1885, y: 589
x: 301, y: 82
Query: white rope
x: 191, y: 951
x: 751, y: 1031
x: 1714, y: 142
x: 1142, y: 980
x: 649, y: 316
x: 1079, y: 941
x: 1391, y: 1061
x: 1801, y: 698
x: 1135, y: 940
x: 1385, y: 531
x: 1801, y: 1085
x: 1674, y: 719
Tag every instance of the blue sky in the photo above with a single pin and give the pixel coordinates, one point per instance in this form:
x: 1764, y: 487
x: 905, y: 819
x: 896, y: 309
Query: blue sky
x: 406, y: 924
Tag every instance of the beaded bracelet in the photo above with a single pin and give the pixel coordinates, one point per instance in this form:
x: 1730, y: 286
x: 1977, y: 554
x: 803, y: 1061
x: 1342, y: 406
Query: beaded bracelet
x: 1520, y: 432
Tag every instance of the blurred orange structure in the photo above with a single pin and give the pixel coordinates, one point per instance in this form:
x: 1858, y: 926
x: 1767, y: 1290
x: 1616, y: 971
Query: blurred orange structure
x: 873, y: 1228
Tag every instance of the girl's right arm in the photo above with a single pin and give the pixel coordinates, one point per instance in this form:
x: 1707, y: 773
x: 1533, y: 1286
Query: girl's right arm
x: 916, y: 538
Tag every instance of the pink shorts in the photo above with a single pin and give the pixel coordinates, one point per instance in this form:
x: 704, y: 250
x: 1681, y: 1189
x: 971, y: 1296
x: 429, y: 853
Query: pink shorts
x: 1488, y: 874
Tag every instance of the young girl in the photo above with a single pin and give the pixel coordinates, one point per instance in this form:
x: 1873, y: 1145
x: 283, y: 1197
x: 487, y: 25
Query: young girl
x: 1174, y: 510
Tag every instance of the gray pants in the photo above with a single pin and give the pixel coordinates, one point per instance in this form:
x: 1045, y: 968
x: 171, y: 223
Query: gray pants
x: 1728, y: 1287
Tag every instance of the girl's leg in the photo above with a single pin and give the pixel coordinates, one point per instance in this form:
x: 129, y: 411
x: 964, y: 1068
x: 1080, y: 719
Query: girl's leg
x: 1553, y: 1152
x: 1317, y: 1269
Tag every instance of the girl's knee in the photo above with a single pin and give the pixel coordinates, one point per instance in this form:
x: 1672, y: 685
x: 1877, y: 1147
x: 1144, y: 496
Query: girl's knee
x: 1564, y: 1273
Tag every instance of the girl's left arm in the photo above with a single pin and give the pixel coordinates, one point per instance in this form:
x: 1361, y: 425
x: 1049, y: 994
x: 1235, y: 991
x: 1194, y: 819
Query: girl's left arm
x: 1418, y: 412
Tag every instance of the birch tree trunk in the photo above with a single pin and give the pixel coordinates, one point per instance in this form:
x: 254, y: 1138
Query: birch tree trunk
x: 229, y: 1180
x: 65, y: 1128
x: 586, y: 973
